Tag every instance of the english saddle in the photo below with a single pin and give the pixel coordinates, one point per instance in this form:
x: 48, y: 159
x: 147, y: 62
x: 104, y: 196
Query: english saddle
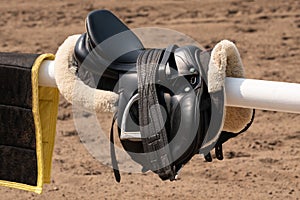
x: 165, y: 111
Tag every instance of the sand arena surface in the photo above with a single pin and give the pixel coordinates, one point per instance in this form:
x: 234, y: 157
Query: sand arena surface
x: 263, y: 163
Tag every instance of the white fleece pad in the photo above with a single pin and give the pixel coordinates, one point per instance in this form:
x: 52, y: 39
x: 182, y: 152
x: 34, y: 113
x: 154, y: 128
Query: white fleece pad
x: 226, y: 61
x: 72, y: 88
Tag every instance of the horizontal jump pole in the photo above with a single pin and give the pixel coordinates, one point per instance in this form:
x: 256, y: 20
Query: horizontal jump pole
x: 263, y: 95
x: 240, y: 92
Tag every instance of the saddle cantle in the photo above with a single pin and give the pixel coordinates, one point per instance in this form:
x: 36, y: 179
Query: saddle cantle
x: 114, y: 48
x: 166, y: 113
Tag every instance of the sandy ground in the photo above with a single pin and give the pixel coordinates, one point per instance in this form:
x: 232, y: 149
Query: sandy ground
x: 263, y: 163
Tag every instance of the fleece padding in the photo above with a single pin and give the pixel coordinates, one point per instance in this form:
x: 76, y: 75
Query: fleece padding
x: 72, y: 88
x: 226, y: 61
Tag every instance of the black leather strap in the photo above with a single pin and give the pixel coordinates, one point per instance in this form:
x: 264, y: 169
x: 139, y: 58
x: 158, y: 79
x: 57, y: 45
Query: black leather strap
x: 162, y: 75
x: 114, y: 161
x: 151, y: 119
x: 224, y: 137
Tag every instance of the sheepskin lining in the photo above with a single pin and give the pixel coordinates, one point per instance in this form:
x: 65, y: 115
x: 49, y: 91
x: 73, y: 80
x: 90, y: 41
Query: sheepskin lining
x: 226, y: 61
x: 72, y: 88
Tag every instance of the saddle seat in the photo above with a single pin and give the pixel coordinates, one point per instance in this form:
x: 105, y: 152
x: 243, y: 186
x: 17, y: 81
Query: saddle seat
x: 111, y: 40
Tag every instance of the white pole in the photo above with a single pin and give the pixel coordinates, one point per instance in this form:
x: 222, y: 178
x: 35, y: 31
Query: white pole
x: 264, y: 95
x: 247, y: 93
x: 46, y: 74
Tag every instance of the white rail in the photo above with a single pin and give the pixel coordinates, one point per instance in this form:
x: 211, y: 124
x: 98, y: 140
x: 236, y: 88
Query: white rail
x: 247, y: 93
x: 264, y: 95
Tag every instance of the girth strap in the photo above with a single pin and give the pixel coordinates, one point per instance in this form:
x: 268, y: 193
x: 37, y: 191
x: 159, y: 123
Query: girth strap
x: 152, y: 123
x: 114, y: 161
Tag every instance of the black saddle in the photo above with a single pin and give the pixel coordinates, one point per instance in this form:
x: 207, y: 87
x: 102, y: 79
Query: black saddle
x: 188, y: 119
